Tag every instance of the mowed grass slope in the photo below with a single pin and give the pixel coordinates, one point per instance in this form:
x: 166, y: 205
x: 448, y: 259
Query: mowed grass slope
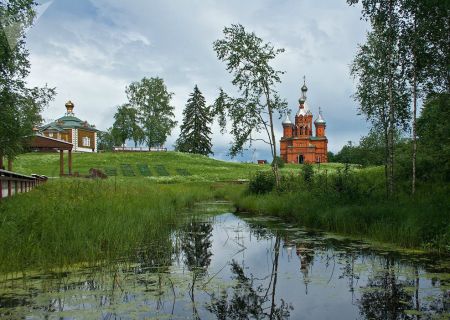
x: 170, y: 166
x: 159, y: 164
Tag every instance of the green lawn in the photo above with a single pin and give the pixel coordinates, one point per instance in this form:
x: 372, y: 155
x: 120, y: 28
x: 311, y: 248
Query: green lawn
x: 159, y: 166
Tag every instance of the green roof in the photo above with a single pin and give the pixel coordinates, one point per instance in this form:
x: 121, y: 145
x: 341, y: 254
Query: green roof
x: 69, y: 122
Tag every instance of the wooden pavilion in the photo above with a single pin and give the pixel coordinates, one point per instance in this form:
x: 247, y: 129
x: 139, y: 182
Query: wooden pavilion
x: 43, y: 143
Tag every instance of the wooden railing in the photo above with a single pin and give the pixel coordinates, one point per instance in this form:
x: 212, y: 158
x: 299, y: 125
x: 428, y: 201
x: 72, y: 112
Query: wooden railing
x: 13, y: 183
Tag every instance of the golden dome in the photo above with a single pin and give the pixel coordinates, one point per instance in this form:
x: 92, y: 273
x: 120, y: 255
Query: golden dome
x: 69, y: 106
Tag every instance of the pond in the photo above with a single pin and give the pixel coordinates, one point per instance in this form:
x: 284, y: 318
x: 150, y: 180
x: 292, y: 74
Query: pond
x: 228, y: 266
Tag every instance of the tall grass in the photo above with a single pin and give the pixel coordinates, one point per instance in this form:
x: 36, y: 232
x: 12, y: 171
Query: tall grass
x: 68, y: 221
x: 354, y: 203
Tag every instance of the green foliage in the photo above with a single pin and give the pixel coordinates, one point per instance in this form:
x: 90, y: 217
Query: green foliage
x: 262, y: 182
x: 369, y: 152
x: 195, y: 136
x: 353, y: 202
x: 126, y: 125
x: 248, y: 59
x: 105, y: 140
x: 307, y: 172
x: 20, y: 105
x: 331, y: 157
x: 152, y: 101
x: 278, y: 161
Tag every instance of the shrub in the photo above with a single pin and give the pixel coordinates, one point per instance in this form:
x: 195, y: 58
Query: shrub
x: 262, y: 182
x: 308, y: 172
x: 278, y: 161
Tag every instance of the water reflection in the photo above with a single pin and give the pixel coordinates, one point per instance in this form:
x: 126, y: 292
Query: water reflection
x: 229, y: 267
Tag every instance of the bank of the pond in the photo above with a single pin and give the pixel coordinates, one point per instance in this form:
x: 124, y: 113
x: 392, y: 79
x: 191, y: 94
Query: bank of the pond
x: 68, y: 221
x: 421, y: 222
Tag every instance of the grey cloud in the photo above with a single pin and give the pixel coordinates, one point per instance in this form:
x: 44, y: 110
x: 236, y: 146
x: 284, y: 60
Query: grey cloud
x: 102, y: 45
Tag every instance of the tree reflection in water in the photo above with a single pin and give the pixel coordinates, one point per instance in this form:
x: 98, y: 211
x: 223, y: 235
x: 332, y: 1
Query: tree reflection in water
x: 385, y: 296
x: 247, y: 300
x: 196, y: 245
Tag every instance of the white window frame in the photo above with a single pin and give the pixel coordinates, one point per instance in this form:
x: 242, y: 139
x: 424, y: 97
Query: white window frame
x: 86, y: 142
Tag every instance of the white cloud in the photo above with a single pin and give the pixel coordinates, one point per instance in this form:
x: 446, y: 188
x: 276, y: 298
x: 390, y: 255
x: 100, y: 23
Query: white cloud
x: 90, y: 50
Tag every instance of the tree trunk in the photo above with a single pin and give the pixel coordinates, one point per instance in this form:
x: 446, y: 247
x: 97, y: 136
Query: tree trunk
x: 274, y: 142
x: 386, y: 159
x: 413, y: 190
x: 275, y: 276
x: 391, y: 103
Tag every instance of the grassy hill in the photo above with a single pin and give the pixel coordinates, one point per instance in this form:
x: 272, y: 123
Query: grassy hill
x: 171, y: 166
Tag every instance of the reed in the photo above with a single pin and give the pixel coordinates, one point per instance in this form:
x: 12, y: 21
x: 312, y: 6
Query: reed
x: 68, y: 221
x: 355, y: 204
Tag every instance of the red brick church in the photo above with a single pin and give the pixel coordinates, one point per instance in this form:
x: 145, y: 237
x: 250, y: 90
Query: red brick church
x: 298, y: 145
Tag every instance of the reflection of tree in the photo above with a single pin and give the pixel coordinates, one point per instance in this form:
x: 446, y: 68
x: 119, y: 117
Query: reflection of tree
x: 196, y: 245
x: 348, y: 270
x: 247, y: 301
x: 385, y: 296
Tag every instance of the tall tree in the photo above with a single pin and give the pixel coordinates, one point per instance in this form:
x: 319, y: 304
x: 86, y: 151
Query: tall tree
x: 425, y: 51
x: 123, y: 123
x: 248, y: 59
x: 434, y: 131
x: 195, y: 136
x: 418, y: 34
x: 380, y: 75
x: 20, y: 106
x: 382, y: 95
x: 152, y: 100
x: 106, y: 140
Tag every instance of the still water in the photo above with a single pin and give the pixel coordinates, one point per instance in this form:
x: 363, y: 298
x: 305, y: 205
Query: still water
x: 231, y: 266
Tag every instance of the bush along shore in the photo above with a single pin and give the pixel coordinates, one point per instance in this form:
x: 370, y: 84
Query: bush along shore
x: 70, y: 221
x: 353, y: 202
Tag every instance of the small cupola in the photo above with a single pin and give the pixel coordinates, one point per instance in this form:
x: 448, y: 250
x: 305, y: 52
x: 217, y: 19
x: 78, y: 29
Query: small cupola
x: 320, y: 120
x: 287, y: 120
x: 304, y: 89
x: 69, y: 108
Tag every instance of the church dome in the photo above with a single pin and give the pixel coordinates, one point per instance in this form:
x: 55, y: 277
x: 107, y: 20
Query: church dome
x: 304, y: 88
x: 287, y: 120
x: 320, y: 119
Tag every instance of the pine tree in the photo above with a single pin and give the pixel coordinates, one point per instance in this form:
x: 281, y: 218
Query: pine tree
x: 195, y: 136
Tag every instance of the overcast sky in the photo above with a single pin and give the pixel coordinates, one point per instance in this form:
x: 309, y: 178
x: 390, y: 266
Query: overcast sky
x: 90, y: 50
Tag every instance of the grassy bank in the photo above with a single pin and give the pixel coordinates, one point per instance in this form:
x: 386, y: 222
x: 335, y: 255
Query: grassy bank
x: 162, y: 166
x: 355, y: 204
x: 68, y: 221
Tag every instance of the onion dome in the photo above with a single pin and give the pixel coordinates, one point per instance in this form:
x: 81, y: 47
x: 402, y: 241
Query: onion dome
x: 287, y: 120
x: 304, y: 89
x: 320, y: 119
x: 69, y: 107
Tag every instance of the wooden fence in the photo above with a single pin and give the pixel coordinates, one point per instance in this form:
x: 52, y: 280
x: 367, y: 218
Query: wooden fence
x: 14, y: 183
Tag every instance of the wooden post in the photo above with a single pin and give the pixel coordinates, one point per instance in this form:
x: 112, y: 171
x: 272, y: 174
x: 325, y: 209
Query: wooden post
x: 21, y: 186
x: 9, y: 187
x: 16, y: 187
x: 61, y: 162
x: 70, y: 162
